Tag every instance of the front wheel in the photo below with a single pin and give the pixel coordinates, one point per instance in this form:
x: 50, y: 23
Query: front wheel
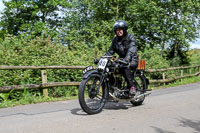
x: 92, y: 95
x: 141, y: 85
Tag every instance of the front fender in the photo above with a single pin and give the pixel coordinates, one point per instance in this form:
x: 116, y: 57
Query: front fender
x: 86, y: 75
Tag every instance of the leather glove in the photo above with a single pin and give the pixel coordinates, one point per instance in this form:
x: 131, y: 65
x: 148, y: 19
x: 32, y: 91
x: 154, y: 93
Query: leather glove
x: 122, y: 65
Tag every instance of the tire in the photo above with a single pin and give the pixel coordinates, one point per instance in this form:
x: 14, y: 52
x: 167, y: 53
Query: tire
x: 91, y: 100
x: 141, y: 86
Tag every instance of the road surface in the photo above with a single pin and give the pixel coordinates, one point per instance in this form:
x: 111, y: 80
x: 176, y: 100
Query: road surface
x: 169, y: 110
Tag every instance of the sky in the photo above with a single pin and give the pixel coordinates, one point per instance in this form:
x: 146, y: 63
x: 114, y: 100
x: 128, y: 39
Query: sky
x: 1, y: 5
x: 195, y: 44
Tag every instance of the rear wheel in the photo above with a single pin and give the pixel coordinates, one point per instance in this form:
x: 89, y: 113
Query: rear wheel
x: 141, y: 86
x: 91, y: 96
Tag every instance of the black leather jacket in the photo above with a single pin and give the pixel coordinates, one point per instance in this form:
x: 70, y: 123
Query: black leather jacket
x: 126, y: 48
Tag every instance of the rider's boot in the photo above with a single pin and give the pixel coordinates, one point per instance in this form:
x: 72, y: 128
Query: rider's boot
x: 132, y: 90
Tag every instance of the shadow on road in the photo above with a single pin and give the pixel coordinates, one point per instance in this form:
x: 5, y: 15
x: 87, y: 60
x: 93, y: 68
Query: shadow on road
x: 108, y: 106
x: 78, y: 111
x: 32, y: 113
x: 195, y: 125
x: 118, y: 106
x: 159, y: 130
x: 190, y: 123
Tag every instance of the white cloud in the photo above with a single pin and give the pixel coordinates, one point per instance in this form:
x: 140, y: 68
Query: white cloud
x: 195, y: 44
x: 1, y: 5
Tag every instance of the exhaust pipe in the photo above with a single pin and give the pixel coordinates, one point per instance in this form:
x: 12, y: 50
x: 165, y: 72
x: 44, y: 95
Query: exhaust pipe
x: 132, y: 99
x: 140, y: 96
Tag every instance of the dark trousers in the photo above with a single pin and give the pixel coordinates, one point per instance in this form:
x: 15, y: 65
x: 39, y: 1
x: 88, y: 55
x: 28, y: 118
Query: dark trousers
x: 126, y: 72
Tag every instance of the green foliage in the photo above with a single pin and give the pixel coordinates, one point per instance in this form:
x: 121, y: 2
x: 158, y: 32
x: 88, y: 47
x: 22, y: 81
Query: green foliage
x: 94, y: 37
x: 175, y: 62
x: 5, y: 99
x: 63, y: 92
x: 194, y: 56
x: 25, y: 51
x: 154, y: 60
x: 31, y: 16
x: 166, y: 25
x: 5, y: 96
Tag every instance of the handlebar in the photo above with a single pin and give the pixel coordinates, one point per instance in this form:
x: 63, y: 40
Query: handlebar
x: 96, y: 61
x: 106, y: 56
x: 118, y: 60
x: 121, y: 61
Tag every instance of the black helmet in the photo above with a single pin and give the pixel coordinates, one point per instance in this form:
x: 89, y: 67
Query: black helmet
x: 120, y: 24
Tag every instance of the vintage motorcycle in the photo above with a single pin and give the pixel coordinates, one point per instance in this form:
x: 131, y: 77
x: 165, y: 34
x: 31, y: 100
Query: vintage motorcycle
x: 105, y: 83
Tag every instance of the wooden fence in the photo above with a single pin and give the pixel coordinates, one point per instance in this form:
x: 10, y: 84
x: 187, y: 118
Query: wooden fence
x: 45, y: 84
x: 164, y: 71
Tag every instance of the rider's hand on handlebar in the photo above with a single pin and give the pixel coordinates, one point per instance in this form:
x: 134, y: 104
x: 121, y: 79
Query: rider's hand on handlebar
x: 123, y: 66
x: 96, y: 61
x: 121, y: 63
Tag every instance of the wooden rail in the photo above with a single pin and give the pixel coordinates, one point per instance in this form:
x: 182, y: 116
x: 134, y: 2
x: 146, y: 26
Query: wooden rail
x: 44, y: 85
x: 171, y: 68
x: 174, y: 78
x: 36, y: 86
x: 39, y: 67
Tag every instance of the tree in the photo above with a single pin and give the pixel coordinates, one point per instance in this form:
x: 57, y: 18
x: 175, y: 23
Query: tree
x: 32, y: 16
x: 167, y: 25
x: 92, y: 21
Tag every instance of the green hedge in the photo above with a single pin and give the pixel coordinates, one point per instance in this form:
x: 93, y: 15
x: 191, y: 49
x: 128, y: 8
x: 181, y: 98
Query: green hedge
x: 26, y: 51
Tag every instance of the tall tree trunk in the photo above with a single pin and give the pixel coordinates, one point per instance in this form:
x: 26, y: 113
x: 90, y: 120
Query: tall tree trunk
x: 117, y: 11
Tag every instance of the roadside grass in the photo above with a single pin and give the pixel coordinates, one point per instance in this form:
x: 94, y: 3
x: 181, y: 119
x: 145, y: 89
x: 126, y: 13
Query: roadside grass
x: 30, y: 98
x: 33, y: 100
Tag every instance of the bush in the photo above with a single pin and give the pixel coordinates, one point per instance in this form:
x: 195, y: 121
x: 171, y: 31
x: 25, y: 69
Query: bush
x: 175, y: 62
x: 154, y: 60
x: 25, y: 51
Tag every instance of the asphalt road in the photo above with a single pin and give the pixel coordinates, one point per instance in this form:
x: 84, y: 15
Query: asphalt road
x: 169, y: 110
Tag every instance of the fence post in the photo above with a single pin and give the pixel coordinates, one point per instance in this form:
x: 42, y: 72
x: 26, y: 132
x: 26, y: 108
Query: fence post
x: 199, y: 70
x: 181, y: 74
x: 163, y: 77
x: 44, y: 80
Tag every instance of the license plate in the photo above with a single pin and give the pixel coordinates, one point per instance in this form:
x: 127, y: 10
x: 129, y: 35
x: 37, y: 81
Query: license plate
x: 89, y: 68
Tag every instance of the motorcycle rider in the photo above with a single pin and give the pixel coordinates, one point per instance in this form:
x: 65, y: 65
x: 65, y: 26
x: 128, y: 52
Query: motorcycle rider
x: 124, y: 44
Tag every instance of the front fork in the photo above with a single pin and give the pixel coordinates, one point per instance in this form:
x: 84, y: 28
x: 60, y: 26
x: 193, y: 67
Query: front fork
x: 101, y: 81
x: 105, y: 79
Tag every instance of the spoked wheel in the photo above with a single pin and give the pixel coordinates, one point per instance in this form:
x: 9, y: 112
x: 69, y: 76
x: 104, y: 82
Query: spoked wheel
x: 141, y: 86
x: 91, y: 95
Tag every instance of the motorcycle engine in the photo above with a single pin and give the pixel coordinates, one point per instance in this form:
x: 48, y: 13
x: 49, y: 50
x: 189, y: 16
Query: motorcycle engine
x: 118, y: 85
